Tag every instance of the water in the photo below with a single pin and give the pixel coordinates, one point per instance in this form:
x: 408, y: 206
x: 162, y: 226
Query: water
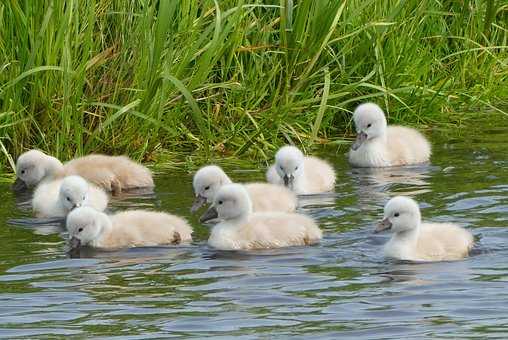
x: 343, y: 287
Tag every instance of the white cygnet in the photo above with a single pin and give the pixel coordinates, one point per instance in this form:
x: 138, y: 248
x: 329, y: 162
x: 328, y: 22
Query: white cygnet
x: 134, y: 228
x: 379, y: 145
x: 302, y: 174
x: 241, y: 229
x: 58, y: 197
x: 416, y: 241
x: 265, y: 197
x: 112, y: 173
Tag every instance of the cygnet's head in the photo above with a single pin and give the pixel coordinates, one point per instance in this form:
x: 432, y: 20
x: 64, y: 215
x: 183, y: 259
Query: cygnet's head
x: 289, y: 164
x: 206, y: 183
x: 400, y: 214
x: 370, y: 123
x: 84, y: 226
x: 232, y: 201
x: 29, y: 169
x: 73, y: 192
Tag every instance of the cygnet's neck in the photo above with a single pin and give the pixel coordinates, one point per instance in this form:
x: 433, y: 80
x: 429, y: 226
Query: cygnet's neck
x: 52, y: 167
x: 381, y: 139
x: 106, y: 228
x: 409, y: 236
x: 300, y: 182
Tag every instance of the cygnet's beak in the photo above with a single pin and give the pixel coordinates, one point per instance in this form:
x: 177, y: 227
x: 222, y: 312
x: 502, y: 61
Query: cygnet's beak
x: 19, y: 185
x: 198, y: 203
x: 74, y: 242
x: 209, y: 215
x: 385, y: 224
x: 360, y: 138
x: 288, y: 180
x: 77, y: 205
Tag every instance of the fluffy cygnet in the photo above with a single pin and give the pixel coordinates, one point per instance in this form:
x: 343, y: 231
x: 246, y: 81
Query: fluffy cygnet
x: 134, y: 228
x: 379, y: 145
x: 265, y: 197
x: 58, y: 197
x: 241, y: 229
x: 112, y: 173
x: 417, y: 241
x: 302, y: 174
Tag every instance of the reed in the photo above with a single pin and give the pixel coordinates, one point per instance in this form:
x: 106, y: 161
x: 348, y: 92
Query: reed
x: 238, y: 78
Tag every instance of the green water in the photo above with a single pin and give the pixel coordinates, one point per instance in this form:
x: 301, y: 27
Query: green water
x: 341, y: 288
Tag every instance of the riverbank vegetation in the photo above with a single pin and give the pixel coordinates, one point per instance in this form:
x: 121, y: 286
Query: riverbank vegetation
x: 238, y: 78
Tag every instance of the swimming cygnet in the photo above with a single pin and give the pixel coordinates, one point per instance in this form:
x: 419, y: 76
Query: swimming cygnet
x: 302, y: 174
x: 265, y: 197
x: 417, y: 241
x: 58, y: 197
x: 241, y: 229
x: 112, y: 173
x: 379, y: 145
x: 134, y: 228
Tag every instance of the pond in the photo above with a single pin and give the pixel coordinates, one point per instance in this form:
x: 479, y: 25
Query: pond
x: 342, y: 287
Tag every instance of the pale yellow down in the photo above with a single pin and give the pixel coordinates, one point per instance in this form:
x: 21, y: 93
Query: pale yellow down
x: 417, y: 241
x: 113, y: 173
x: 132, y: 228
x: 268, y: 197
x: 440, y: 242
x: 241, y: 229
x: 58, y: 197
x: 265, y: 230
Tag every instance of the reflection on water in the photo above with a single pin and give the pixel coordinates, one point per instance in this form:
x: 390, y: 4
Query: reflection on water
x: 340, y: 288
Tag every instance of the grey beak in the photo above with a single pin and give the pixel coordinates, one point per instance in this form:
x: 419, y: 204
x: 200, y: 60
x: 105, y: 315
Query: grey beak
x: 360, y: 138
x: 198, y: 203
x: 74, y: 243
x: 385, y: 224
x: 19, y: 185
x: 209, y: 215
x: 288, y: 180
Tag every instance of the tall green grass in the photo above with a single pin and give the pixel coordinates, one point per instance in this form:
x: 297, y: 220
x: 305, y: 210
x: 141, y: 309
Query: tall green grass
x: 237, y: 78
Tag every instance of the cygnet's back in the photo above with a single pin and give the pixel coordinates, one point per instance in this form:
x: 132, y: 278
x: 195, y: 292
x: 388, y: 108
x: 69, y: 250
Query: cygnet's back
x: 443, y: 241
x: 406, y: 146
x: 320, y: 175
x: 269, y: 197
x: 113, y: 173
x: 146, y: 228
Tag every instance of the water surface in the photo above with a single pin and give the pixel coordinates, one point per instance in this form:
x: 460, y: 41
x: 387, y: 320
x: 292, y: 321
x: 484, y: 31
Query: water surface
x: 342, y: 287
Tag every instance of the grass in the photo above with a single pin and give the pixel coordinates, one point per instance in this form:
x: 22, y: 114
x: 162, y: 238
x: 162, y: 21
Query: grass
x: 238, y: 78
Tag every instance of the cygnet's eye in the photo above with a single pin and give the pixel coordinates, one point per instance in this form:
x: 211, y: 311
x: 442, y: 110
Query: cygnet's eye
x: 396, y: 214
x: 84, y: 198
x: 220, y: 202
x: 68, y: 198
x: 80, y: 230
x: 207, y: 188
x: 296, y: 168
x: 369, y: 125
x: 23, y: 172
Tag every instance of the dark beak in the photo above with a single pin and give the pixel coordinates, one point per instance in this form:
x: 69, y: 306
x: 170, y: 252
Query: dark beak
x: 75, y: 243
x: 209, y: 215
x: 198, y: 203
x: 385, y: 224
x: 288, y: 180
x: 19, y: 185
x: 360, y: 138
